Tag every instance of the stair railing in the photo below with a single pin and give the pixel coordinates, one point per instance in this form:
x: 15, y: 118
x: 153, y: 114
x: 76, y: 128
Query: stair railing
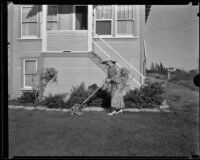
x: 132, y: 67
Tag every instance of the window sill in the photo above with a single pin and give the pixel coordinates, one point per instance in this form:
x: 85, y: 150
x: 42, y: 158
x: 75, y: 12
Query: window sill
x: 117, y: 37
x: 60, y: 30
x: 27, y: 38
x: 27, y: 89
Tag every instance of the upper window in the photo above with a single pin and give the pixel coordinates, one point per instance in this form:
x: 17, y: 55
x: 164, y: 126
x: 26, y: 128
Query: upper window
x: 52, y: 17
x: 29, y: 21
x: 104, y: 19
x: 30, y: 73
x: 125, y: 20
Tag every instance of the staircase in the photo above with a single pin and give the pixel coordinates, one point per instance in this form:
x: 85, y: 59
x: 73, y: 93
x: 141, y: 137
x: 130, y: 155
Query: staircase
x: 101, y: 55
x: 98, y: 61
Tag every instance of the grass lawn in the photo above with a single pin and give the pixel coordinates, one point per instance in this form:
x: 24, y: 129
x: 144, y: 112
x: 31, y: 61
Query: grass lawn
x: 42, y: 133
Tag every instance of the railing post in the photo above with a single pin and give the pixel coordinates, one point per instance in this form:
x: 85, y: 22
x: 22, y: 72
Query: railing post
x: 44, y: 28
x: 90, y: 10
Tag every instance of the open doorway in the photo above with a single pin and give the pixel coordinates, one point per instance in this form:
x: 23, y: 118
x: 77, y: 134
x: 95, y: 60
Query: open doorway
x: 81, y: 17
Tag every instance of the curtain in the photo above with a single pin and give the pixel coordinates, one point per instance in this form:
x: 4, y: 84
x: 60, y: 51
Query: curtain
x: 125, y: 27
x: 125, y: 23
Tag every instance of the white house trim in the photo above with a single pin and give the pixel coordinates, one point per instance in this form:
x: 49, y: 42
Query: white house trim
x: 44, y: 28
x: 24, y: 83
x: 90, y: 12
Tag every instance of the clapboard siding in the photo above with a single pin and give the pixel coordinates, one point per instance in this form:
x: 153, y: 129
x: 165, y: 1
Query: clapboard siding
x: 71, y: 72
x: 65, y: 14
x: 129, y: 49
x: 67, y: 40
x: 20, y: 48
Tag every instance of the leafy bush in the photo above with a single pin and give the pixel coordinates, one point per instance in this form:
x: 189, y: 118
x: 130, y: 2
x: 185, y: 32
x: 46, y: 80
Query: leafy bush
x: 54, y: 101
x: 100, y: 99
x: 149, y: 96
x: 78, y: 95
x: 28, y: 97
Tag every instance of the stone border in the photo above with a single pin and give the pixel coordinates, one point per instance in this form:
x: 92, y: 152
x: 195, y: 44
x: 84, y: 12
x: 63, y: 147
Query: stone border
x: 97, y: 109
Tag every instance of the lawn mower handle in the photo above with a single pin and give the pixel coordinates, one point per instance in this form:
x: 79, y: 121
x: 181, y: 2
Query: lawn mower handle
x: 91, y: 95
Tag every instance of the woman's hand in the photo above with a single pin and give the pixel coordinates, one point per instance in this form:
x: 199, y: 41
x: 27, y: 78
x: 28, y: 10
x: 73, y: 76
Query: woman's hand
x: 108, y: 80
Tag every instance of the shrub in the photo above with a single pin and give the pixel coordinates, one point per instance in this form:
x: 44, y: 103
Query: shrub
x: 28, y: 97
x: 54, y: 101
x: 100, y: 99
x: 149, y: 96
x: 78, y: 95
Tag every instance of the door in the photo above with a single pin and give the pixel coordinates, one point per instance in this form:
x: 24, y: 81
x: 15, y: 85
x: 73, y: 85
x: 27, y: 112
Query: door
x: 81, y: 17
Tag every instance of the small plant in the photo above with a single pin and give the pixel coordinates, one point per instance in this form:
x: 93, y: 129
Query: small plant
x: 54, y: 101
x: 28, y: 97
x: 49, y: 74
x: 149, y: 96
x: 78, y: 95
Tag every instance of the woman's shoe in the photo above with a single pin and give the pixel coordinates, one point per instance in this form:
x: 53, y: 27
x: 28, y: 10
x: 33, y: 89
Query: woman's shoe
x: 120, y: 111
x: 113, y: 112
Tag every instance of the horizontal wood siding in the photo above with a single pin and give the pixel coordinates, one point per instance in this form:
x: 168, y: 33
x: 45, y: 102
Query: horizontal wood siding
x: 21, y: 48
x: 71, y: 72
x: 67, y: 40
x: 65, y: 14
x: 129, y: 49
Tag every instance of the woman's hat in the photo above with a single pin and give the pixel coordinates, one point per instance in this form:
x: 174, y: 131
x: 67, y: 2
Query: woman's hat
x: 107, y: 61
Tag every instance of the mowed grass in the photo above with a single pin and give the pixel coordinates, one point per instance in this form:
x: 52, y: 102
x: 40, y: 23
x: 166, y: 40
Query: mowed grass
x: 42, y: 133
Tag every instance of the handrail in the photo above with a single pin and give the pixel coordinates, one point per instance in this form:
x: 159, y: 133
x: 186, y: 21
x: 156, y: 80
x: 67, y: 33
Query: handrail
x: 101, y: 49
x: 119, y: 55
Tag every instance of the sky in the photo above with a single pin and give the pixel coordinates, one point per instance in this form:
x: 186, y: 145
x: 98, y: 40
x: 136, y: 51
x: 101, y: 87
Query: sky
x: 172, y: 36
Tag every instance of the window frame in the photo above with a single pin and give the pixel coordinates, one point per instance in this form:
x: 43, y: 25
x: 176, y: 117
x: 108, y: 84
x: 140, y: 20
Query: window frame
x: 21, y: 22
x: 24, y: 78
x: 56, y: 13
x: 95, y: 20
x: 116, y: 23
x: 56, y: 21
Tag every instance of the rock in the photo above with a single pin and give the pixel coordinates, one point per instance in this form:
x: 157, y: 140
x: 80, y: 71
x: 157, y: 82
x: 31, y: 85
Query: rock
x: 15, y: 107
x: 65, y: 110
x: 29, y: 108
x: 141, y: 110
x: 52, y: 109
x: 151, y: 110
x: 164, y: 105
x: 132, y: 110
x: 98, y: 109
x: 41, y: 108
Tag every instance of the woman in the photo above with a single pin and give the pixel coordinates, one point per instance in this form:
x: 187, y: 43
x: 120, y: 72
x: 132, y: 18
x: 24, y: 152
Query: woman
x: 115, y: 85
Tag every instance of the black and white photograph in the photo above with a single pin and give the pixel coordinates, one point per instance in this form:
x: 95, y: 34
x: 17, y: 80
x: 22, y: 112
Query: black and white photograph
x: 108, y: 80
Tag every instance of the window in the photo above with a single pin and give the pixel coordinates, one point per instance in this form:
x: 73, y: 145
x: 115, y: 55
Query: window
x: 125, y: 20
x: 81, y: 22
x: 29, y: 21
x: 30, y: 72
x: 52, y: 17
x: 104, y: 19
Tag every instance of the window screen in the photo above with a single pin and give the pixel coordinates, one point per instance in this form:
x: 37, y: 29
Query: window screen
x: 103, y: 27
x: 104, y: 19
x: 125, y: 20
x: 52, y: 17
x: 29, y: 21
x: 30, y: 72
